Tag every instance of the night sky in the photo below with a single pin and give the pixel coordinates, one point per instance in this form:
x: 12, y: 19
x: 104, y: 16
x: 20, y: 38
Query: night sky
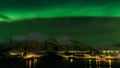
x: 84, y: 20
x: 20, y: 9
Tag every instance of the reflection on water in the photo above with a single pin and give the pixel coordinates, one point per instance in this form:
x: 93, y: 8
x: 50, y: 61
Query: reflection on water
x: 71, y: 60
x: 108, y: 61
x: 85, y: 63
x: 30, y: 63
x: 90, y: 66
x: 101, y: 63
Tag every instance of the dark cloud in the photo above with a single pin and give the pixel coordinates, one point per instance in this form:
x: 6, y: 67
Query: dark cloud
x: 19, y: 37
x: 34, y: 36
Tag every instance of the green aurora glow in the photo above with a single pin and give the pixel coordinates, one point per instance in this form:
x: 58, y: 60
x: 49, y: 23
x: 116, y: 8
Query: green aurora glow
x: 55, y: 8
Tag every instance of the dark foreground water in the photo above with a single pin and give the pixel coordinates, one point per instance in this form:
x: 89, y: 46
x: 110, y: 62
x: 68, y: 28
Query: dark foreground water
x: 57, y: 63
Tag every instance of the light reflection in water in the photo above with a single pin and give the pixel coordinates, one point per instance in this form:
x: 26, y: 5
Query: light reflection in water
x: 98, y: 63
x: 110, y: 63
x: 90, y: 66
x: 35, y: 61
x: 31, y: 62
x: 71, y: 60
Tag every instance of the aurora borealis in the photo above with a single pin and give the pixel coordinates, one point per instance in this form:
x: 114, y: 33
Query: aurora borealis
x: 89, y: 21
x: 20, y: 9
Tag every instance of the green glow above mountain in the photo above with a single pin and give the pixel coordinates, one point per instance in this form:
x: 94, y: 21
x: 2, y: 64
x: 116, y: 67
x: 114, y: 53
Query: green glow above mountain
x: 22, y: 9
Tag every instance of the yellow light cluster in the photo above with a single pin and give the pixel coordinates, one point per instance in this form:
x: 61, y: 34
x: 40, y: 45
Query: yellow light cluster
x: 110, y: 51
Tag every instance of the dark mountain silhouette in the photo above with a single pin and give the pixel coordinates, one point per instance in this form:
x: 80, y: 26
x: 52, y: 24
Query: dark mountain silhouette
x: 52, y: 45
x: 107, y: 45
x: 71, y: 44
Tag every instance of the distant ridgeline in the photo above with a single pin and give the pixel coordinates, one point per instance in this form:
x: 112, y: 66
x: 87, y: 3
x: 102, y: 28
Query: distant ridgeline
x: 48, y: 45
x: 52, y: 45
